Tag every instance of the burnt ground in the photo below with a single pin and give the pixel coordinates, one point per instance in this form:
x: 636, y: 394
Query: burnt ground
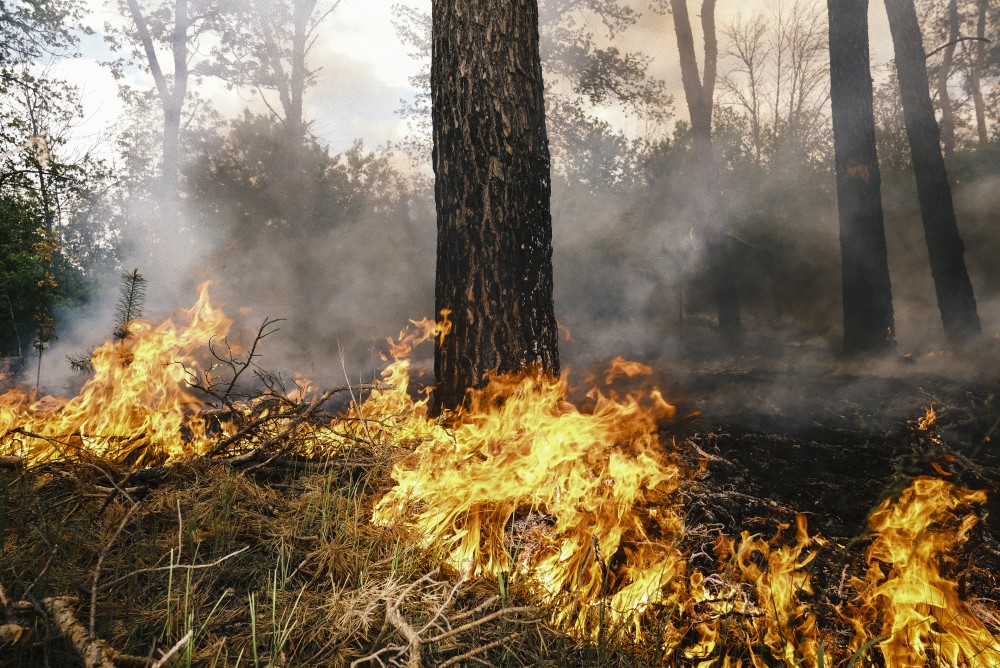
x: 831, y: 440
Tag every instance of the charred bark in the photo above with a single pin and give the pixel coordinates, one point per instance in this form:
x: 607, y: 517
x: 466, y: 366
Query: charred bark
x: 492, y: 190
x: 955, y: 297
x: 867, y: 292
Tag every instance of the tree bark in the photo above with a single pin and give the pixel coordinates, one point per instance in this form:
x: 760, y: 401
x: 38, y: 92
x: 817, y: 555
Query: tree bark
x: 699, y: 93
x: 955, y: 297
x: 492, y: 190
x: 867, y: 292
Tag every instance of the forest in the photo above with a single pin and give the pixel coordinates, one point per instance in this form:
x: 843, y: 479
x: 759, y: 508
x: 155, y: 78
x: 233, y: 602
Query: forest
x: 646, y: 332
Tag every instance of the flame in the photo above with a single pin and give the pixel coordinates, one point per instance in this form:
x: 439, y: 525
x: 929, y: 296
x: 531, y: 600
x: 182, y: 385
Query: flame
x: 579, y: 503
x: 137, y: 406
x: 921, y: 612
x: 523, y: 482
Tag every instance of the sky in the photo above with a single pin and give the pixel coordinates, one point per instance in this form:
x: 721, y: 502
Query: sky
x: 365, y: 69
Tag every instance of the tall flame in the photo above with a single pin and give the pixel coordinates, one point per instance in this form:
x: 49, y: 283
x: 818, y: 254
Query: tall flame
x: 136, y: 406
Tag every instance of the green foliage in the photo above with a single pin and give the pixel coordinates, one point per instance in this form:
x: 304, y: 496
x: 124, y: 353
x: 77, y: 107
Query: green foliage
x: 37, y: 278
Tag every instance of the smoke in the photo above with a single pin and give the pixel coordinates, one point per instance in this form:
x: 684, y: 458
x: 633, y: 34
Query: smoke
x: 630, y: 274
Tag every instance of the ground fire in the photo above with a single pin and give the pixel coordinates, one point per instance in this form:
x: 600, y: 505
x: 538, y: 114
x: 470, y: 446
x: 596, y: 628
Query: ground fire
x: 579, y: 504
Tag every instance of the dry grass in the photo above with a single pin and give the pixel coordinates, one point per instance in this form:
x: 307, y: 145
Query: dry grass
x: 279, y: 566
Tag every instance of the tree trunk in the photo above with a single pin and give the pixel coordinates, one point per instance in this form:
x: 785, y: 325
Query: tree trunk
x: 944, y: 97
x: 976, y: 76
x: 951, y: 279
x: 171, y: 101
x: 699, y: 93
x: 492, y: 190
x: 867, y: 293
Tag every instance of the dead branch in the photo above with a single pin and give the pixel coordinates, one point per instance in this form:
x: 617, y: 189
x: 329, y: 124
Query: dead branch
x: 300, y: 413
x: 415, y: 640
x: 100, y: 562
x: 95, y: 653
x: 173, y: 650
x: 479, y: 650
x: 189, y: 567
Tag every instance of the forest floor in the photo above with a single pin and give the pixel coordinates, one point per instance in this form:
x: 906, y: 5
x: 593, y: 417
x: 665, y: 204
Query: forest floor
x: 230, y: 565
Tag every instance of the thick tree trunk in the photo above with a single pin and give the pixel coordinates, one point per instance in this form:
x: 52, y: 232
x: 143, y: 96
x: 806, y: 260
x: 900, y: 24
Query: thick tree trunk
x: 976, y: 76
x: 492, y: 189
x: 867, y: 293
x: 944, y: 97
x: 699, y: 93
x: 951, y: 279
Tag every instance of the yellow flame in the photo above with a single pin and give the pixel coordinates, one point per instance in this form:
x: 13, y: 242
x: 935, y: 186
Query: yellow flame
x: 922, y: 614
x: 581, y: 505
x: 136, y: 406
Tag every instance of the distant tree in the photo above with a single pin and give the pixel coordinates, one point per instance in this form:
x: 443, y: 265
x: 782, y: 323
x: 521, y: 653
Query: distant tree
x: 955, y: 297
x: 776, y: 74
x: 961, y: 39
x: 699, y: 92
x: 492, y: 189
x: 176, y: 26
x: 31, y: 30
x: 584, y: 72
x: 867, y: 293
x: 265, y: 47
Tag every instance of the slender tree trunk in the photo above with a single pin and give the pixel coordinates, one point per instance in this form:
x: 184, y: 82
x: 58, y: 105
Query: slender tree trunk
x: 867, y: 293
x: 951, y: 279
x: 944, y: 97
x: 171, y: 100
x: 976, y: 76
x: 699, y: 93
x: 492, y: 190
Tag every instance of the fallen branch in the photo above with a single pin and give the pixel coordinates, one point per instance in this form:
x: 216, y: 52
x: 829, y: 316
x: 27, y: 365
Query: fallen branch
x: 415, y: 641
x: 301, y: 414
x: 94, y: 653
x: 189, y: 567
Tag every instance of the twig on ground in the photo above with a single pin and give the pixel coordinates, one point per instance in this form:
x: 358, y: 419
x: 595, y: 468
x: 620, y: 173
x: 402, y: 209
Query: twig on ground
x: 189, y: 567
x: 415, y: 641
x: 100, y: 562
x: 301, y: 413
x: 173, y: 650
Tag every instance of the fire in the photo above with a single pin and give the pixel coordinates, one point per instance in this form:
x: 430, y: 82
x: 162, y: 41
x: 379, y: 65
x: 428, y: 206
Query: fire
x: 921, y: 612
x: 525, y: 483
x: 579, y: 504
x: 137, y: 406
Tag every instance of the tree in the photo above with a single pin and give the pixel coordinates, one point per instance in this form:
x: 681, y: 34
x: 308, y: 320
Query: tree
x: 584, y: 72
x: 699, y: 92
x: 867, y: 292
x: 176, y: 25
x: 955, y: 297
x: 776, y: 74
x: 265, y: 46
x: 492, y: 191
